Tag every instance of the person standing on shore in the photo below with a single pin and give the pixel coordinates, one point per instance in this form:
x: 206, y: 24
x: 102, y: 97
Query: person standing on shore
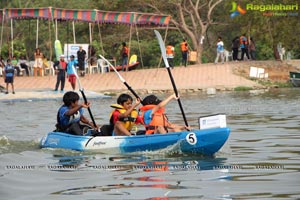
x: 184, y: 52
x: 170, y: 52
x: 124, y: 55
x: 70, y: 71
x: 235, y: 48
x: 8, y: 75
x: 244, y: 46
x: 60, y: 69
x: 220, y: 50
x: 81, y: 55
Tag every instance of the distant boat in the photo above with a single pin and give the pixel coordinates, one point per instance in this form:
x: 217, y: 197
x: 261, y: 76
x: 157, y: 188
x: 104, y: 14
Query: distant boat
x: 133, y: 63
x: 295, y: 78
x: 130, y: 67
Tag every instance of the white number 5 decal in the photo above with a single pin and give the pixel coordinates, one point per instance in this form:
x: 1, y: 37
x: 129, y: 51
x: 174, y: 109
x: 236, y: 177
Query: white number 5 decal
x: 191, y: 138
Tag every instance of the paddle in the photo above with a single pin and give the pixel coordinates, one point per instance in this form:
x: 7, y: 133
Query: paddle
x: 83, y: 95
x: 163, y: 52
x: 121, y: 78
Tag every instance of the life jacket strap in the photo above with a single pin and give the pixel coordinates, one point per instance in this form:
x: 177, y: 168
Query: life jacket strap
x: 155, y: 127
x: 126, y: 119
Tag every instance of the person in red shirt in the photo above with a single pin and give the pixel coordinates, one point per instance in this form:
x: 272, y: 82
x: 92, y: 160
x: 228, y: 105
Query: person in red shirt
x: 60, y: 69
x: 124, y: 55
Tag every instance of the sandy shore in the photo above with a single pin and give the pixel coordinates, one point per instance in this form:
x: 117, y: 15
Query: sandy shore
x: 191, y: 79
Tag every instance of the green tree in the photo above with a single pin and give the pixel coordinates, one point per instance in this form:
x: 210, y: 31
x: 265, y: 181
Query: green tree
x: 190, y: 19
x: 266, y: 28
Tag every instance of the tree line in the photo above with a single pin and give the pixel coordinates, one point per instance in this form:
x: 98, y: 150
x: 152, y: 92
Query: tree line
x: 201, y: 22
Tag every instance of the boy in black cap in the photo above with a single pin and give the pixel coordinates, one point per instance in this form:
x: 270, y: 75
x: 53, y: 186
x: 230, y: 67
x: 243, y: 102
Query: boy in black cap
x: 154, y: 117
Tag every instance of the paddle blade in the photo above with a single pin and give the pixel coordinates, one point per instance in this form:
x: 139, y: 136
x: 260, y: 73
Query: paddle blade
x: 77, y: 77
x: 83, y: 95
x: 120, y: 77
x: 164, y: 55
x: 162, y: 48
x: 113, y: 67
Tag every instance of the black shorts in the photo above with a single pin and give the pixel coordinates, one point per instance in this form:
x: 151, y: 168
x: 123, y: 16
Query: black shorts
x: 9, y: 79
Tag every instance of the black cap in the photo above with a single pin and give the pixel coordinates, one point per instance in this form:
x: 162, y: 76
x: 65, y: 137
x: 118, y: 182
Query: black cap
x: 151, y: 100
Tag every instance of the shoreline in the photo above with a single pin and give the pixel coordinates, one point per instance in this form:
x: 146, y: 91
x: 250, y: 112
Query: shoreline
x: 208, y: 78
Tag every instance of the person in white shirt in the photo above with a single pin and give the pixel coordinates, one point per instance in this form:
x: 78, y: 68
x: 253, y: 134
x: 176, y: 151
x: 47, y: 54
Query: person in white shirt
x: 220, y: 51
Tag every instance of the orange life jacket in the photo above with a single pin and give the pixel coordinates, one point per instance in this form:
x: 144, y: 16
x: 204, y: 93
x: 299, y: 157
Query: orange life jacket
x: 183, y: 46
x: 59, y: 65
x: 158, y: 119
x: 169, y: 50
x: 243, y: 40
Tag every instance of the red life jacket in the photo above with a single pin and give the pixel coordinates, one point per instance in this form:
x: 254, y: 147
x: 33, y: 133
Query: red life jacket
x: 62, y: 65
x: 158, y: 119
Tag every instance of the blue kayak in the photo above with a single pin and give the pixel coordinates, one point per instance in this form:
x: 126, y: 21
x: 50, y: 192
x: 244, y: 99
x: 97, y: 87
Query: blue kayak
x: 206, y: 142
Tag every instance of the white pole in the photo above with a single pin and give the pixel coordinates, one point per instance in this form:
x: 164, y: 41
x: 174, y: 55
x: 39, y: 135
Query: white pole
x: 37, y: 34
x: 74, y: 36
x: 90, y: 29
x: 12, y: 37
x: 56, y: 29
x: 2, y: 25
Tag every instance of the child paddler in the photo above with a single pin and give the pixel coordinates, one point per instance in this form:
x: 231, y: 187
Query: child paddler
x: 154, y: 117
x: 125, y: 116
x: 70, y: 118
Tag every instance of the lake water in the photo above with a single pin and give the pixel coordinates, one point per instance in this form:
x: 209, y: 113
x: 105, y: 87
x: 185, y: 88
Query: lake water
x: 259, y: 161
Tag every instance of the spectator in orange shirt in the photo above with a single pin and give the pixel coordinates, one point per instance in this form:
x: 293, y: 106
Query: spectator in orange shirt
x: 170, y: 52
x: 184, y: 51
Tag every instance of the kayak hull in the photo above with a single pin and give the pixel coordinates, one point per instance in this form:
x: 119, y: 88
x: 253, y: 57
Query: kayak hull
x: 206, y: 142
